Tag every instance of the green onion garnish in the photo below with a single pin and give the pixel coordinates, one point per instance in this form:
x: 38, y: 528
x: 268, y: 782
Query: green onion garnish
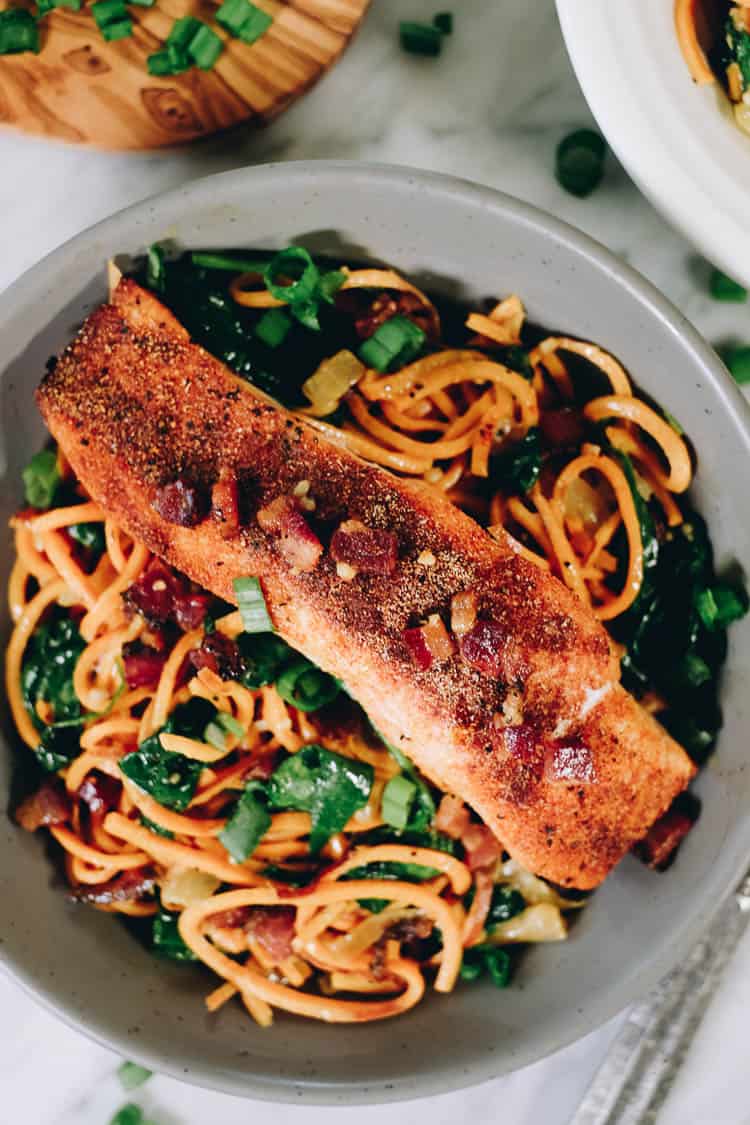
x: 18, y: 32
x: 306, y: 687
x: 143, y: 3
x: 215, y: 736
x: 130, y: 1114
x: 248, y: 823
x: 120, y: 29
x: 273, y: 327
x: 243, y: 20
x: 41, y: 479
x: 205, y: 47
x: 738, y: 362
x: 420, y: 38
x: 161, y: 63
x: 329, y: 285
x: 443, y: 21
x: 230, y: 724
x: 217, y: 261
x: 183, y: 32
x: 155, y: 273
x: 252, y: 606
x: 291, y: 275
x: 399, y: 340
x: 722, y: 288
x: 132, y: 1075
x: 398, y: 797
x: 718, y: 606
x: 579, y: 162
x: 45, y: 6
x: 107, y: 12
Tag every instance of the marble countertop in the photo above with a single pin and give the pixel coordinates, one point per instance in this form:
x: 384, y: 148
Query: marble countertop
x: 492, y: 109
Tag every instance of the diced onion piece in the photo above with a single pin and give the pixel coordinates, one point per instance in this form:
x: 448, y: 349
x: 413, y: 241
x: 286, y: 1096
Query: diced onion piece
x: 331, y: 381
x: 437, y: 639
x: 542, y: 922
x: 463, y: 613
x: 186, y: 885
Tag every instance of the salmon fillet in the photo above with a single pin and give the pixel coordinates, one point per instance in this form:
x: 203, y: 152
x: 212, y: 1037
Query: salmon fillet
x: 526, y: 720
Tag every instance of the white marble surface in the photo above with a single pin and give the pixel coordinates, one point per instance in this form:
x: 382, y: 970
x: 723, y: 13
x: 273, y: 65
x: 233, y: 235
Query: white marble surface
x: 491, y: 109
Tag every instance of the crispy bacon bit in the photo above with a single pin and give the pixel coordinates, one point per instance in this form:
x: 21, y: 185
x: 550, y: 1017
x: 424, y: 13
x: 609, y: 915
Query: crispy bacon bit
x: 180, y: 502
x: 523, y: 742
x: 562, y: 427
x: 659, y: 846
x: 143, y: 665
x: 232, y: 919
x: 463, y: 613
x: 127, y: 887
x: 220, y: 654
x: 482, y: 647
x: 570, y: 761
x: 413, y: 935
x: 163, y: 596
x: 416, y: 643
x: 479, y: 909
x: 190, y: 610
x: 99, y: 793
x: 387, y: 305
x: 452, y: 817
x: 273, y: 928
x: 368, y: 549
x: 298, y: 543
x: 482, y: 848
x: 436, y: 638
x: 49, y: 805
x: 225, y: 505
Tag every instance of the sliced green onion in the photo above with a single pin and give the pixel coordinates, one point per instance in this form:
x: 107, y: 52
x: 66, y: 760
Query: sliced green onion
x: 398, y: 797
x: 215, y: 736
x: 420, y: 38
x: 41, y: 478
x: 399, y: 340
x: 168, y: 61
x: 252, y: 606
x: 738, y: 362
x: 256, y: 25
x: 230, y: 724
x: 183, y: 32
x: 248, y: 823
x: 306, y: 312
x: 217, y: 261
x: 722, y: 288
x: 498, y: 966
x: 306, y: 687
x: 232, y: 14
x: 130, y: 1114
x: 120, y: 29
x: 45, y: 6
x: 108, y: 11
x: 470, y: 970
x: 579, y: 162
x: 243, y: 19
x: 132, y: 1075
x: 143, y: 3
x: 155, y: 272
x: 443, y: 21
x: 273, y: 327
x: 718, y: 606
x: 205, y: 47
x: 296, y: 264
x: 18, y: 32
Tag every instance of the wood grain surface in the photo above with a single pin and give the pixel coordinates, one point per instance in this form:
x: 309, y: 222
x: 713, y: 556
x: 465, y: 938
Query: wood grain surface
x: 84, y: 90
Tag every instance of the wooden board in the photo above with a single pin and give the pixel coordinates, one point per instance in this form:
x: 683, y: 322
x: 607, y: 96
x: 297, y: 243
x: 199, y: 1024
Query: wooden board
x: 84, y: 90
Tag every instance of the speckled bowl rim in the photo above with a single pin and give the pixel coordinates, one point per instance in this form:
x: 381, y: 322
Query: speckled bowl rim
x: 118, y: 231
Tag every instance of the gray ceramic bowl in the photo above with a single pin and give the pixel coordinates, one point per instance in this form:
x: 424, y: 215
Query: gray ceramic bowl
x: 461, y: 240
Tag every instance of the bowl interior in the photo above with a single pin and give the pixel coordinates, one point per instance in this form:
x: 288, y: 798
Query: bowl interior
x: 460, y: 241
x: 678, y: 141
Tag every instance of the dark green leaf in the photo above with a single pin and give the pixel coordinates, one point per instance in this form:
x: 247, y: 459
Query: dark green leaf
x: 41, y: 477
x: 166, y: 938
x: 89, y: 535
x: 481, y: 960
x: 327, y: 785
x: 263, y: 657
x: 306, y: 687
x: 385, y: 869
x: 506, y: 903
x: 517, y: 468
x: 171, y: 779
x: 248, y: 824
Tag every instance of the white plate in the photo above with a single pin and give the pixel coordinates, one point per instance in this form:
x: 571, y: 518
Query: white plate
x: 677, y: 140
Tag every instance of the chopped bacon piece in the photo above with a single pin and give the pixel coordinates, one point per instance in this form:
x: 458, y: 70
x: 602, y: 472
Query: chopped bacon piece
x: 127, y: 887
x: 220, y: 654
x: 225, y: 505
x: 232, y: 919
x: 298, y: 543
x: 416, y: 642
x: 463, y: 613
x: 99, y: 793
x: 482, y: 648
x: 368, y: 549
x: 452, y: 817
x: 181, y: 502
x: 436, y: 638
x: 273, y: 928
x: 571, y: 761
x: 387, y: 305
x: 143, y: 665
x: 659, y: 846
x: 562, y: 427
x: 49, y: 805
x: 482, y: 848
x: 153, y: 593
x: 479, y: 909
x: 522, y: 741
x: 190, y: 610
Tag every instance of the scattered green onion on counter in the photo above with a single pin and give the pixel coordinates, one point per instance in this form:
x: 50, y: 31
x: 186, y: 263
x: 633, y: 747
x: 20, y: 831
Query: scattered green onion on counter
x: 579, y: 162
